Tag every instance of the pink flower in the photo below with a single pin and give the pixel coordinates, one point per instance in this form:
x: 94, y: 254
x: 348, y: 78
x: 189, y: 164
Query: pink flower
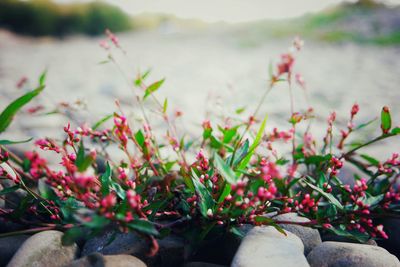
x: 108, y: 202
x: 22, y: 82
x: 286, y: 64
x: 354, y: 110
x: 300, y: 80
x: 114, y: 39
x: 298, y: 43
x: 104, y: 44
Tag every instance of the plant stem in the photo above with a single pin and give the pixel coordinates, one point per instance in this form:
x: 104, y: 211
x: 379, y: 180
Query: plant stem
x: 383, y: 136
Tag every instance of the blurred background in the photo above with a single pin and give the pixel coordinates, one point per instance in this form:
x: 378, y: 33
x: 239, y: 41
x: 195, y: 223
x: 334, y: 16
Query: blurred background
x: 215, y: 56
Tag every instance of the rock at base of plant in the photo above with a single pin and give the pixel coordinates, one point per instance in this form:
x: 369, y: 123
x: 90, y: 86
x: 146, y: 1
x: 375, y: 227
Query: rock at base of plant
x: 7, y: 226
x: 350, y: 255
x: 337, y: 238
x: 99, y: 260
x: 265, y: 246
x: 9, y: 246
x: 309, y: 236
x: 44, y: 249
x: 111, y: 243
x: 171, y: 248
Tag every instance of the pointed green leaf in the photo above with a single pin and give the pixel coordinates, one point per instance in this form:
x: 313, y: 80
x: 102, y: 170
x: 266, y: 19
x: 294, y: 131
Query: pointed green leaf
x: 9, y: 112
x: 206, y: 201
x: 139, y: 137
x: 42, y: 78
x: 9, y: 190
x: 255, y: 144
x: 396, y: 130
x: 9, y: 142
x: 225, y: 170
x: 143, y: 226
x: 165, y: 105
x: 101, y: 121
x: 328, y: 196
x: 225, y: 192
x: 105, y: 180
x: 152, y: 88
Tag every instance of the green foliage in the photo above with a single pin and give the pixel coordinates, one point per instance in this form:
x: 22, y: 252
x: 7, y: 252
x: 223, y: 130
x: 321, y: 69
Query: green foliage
x: 9, y: 112
x: 44, y: 17
x: 233, y: 175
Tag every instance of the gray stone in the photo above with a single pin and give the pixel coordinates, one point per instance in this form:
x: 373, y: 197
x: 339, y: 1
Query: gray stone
x: 44, y: 249
x: 265, y: 246
x: 8, y: 246
x: 13, y: 200
x: 231, y: 242
x: 331, y: 253
x: 99, y: 260
x: 111, y: 243
x: 338, y: 238
x: 171, y: 248
x: 308, y: 235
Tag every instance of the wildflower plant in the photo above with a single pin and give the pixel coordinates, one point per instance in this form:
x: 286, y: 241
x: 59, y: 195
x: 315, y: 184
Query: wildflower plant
x: 232, y: 175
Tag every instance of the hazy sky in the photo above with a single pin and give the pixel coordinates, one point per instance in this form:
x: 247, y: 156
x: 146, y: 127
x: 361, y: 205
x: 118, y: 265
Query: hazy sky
x: 226, y: 10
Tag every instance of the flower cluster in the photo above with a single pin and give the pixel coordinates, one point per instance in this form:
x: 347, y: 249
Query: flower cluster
x: 233, y: 175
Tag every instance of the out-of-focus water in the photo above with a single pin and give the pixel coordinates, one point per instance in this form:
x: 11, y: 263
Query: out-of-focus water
x: 204, y: 71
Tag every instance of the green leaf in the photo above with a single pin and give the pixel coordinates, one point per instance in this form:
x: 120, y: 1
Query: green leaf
x: 207, y: 133
x: 105, y: 180
x: 225, y: 193
x: 71, y: 235
x: 386, y: 120
x: 370, y: 159
x: 143, y: 226
x: 236, y: 231
x: 83, y: 161
x: 9, y: 142
x: 240, y: 110
x: 165, y: 105
x: 328, y: 196
x: 317, y: 159
x: 396, y: 130
x: 139, y: 137
x: 225, y: 170
x: 255, y: 144
x: 118, y: 189
x: 362, y: 125
x: 42, y: 78
x: 372, y: 200
x: 340, y: 231
x: 239, y: 155
x: 229, y: 134
x: 97, y: 222
x: 103, y: 62
x: 264, y: 220
x: 142, y: 77
x: 8, y: 190
x: 101, y: 121
x: 206, y: 201
x: 9, y: 112
x: 268, y: 221
x: 152, y: 88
